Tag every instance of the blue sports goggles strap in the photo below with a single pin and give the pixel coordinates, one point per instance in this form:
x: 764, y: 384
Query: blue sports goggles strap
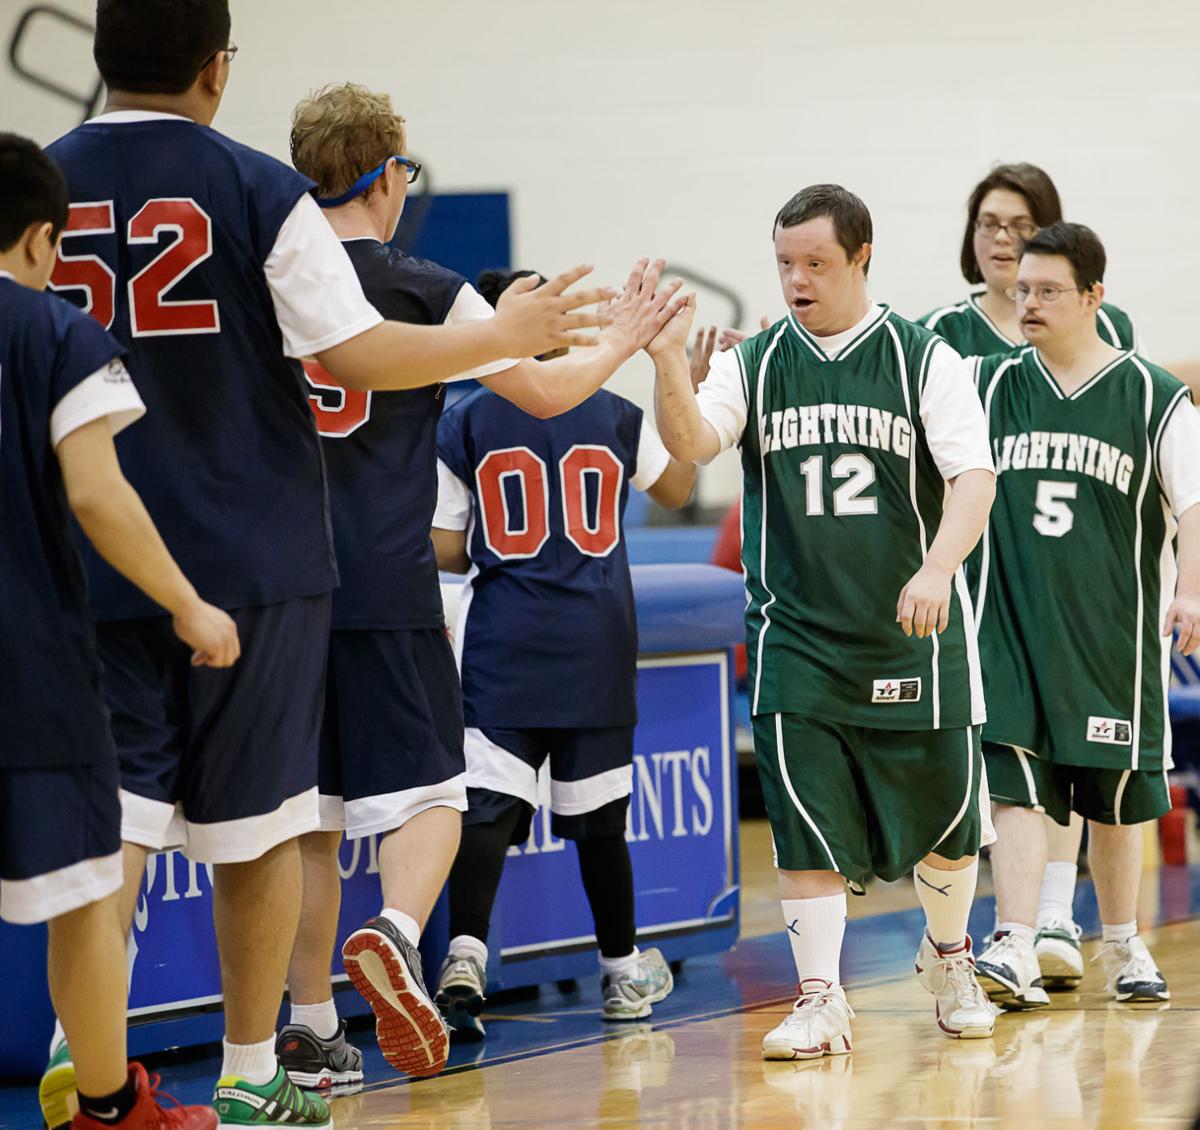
x: 358, y: 187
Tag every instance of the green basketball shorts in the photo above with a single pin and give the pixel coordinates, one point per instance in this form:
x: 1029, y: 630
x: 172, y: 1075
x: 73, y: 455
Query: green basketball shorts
x: 868, y: 802
x: 1020, y: 778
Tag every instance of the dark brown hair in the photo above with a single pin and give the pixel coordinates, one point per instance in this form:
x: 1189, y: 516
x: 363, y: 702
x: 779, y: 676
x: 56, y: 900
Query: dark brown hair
x: 1077, y: 244
x: 1029, y: 181
x: 32, y: 190
x: 849, y: 215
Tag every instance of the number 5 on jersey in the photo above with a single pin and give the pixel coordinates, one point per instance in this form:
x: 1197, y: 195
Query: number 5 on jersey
x: 513, y: 532
x: 151, y: 314
x: 1054, y: 516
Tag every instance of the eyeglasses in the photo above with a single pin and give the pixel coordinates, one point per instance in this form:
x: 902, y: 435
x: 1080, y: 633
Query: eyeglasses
x: 228, y: 52
x: 411, y: 168
x: 1019, y: 229
x: 1043, y: 293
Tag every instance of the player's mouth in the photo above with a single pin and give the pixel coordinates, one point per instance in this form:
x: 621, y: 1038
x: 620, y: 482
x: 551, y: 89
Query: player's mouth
x: 802, y: 303
x: 1004, y: 260
x: 1029, y: 320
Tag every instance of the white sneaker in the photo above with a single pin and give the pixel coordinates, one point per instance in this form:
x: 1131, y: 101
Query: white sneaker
x: 1059, y: 955
x: 1008, y: 970
x: 1132, y: 975
x: 963, y: 1009
x: 819, y: 1024
x: 460, y: 996
x: 630, y: 996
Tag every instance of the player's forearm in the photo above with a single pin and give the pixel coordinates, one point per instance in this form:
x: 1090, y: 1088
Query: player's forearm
x: 1188, y: 553
x: 964, y: 519
x: 115, y: 521
x: 395, y: 355
x: 550, y: 388
x: 674, y: 486
x: 450, y: 549
x: 684, y: 431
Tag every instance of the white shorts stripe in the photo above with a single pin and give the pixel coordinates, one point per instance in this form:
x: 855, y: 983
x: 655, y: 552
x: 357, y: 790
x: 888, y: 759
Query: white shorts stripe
x: 574, y: 798
x: 490, y: 766
x: 376, y: 815
x: 24, y: 902
x: 787, y: 784
x: 1120, y: 794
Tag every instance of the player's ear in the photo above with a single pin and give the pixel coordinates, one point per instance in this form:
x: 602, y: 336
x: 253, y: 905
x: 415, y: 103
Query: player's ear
x: 38, y: 243
x: 861, y: 257
x: 211, y: 79
x: 1093, y: 297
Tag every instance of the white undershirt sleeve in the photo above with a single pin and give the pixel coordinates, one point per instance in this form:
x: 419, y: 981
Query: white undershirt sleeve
x: 319, y: 302
x: 955, y: 426
x: 471, y: 306
x: 454, y: 501
x: 652, y: 457
x: 722, y: 398
x: 107, y: 392
x: 1179, y: 457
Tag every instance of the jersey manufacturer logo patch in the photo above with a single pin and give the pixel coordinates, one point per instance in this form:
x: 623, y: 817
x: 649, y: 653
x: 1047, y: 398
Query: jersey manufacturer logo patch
x: 1109, y: 731
x: 896, y: 690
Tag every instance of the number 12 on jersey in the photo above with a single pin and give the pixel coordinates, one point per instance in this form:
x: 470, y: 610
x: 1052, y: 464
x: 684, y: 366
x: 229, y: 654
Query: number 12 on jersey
x: 512, y: 533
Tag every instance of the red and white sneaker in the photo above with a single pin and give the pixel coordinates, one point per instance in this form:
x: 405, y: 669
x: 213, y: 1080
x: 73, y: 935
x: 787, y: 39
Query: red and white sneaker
x: 819, y: 1024
x: 386, y: 968
x: 962, y: 1007
x: 149, y: 1114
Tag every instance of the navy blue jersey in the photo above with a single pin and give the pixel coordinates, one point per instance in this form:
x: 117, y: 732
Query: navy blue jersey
x: 381, y: 452
x: 171, y: 226
x: 547, y: 631
x: 49, y: 690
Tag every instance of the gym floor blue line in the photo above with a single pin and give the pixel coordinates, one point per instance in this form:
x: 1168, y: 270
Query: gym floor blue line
x: 755, y: 974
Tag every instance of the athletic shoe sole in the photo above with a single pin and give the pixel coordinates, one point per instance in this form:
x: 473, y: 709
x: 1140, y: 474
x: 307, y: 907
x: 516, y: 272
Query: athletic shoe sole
x: 58, y: 1097
x: 460, y: 1007
x: 323, y: 1081
x: 838, y: 1046
x: 1142, y: 995
x: 1058, y: 973
x: 409, y: 1028
x: 1005, y: 993
x: 969, y: 1031
x: 643, y: 1010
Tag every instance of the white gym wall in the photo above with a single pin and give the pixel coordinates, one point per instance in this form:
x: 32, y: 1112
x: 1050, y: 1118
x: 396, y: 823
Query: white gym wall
x: 624, y: 128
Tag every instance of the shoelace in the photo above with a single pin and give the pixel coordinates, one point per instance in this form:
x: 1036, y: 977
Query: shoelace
x: 960, y: 971
x: 166, y: 1117
x: 1135, y: 964
x: 815, y: 1001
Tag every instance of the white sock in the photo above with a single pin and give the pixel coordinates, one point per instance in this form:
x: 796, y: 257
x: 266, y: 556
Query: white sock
x: 321, y: 1018
x: 256, y: 1063
x: 59, y: 1034
x: 1121, y: 932
x: 816, y: 928
x: 1058, y: 893
x: 470, y: 947
x: 1018, y: 930
x: 620, y: 966
x: 946, y: 898
x: 405, y: 923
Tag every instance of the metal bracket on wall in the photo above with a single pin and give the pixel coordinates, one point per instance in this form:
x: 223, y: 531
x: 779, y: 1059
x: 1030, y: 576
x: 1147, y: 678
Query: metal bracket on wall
x: 737, y: 308
x: 87, y: 101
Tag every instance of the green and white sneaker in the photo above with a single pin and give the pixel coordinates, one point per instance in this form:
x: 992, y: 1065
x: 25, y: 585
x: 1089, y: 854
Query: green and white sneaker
x: 277, y: 1103
x: 1059, y: 955
x: 56, y: 1092
x: 630, y: 997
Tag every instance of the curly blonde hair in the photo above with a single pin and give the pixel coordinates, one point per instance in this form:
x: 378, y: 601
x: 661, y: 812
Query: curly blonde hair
x: 343, y: 131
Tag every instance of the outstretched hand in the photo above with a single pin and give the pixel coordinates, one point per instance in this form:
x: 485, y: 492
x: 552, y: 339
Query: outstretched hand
x: 701, y: 355
x: 642, y: 308
x: 1184, y: 614
x: 730, y: 337
x: 534, y: 319
x: 674, y: 334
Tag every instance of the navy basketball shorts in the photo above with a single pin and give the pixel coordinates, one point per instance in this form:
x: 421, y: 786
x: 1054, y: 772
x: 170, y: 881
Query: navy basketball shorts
x: 219, y: 762
x: 590, y: 780
x: 60, y: 839
x: 392, y: 740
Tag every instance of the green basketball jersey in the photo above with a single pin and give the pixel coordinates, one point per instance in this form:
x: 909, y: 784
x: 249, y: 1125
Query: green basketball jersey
x: 1077, y: 565
x: 841, y: 500
x: 973, y: 334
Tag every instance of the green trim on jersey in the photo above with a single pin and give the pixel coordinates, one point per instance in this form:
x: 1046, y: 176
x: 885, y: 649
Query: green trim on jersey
x: 841, y: 500
x: 973, y: 334
x: 1077, y: 565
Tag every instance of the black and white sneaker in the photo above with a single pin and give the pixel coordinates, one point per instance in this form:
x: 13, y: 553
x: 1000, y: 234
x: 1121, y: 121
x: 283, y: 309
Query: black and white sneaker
x: 317, y: 1064
x: 460, y: 998
x: 1133, y: 978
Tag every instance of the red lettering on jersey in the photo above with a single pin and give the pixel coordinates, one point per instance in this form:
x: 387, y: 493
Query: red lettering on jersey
x: 88, y: 273
x: 149, y: 313
x: 352, y: 408
x: 506, y: 535
x: 580, y: 463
